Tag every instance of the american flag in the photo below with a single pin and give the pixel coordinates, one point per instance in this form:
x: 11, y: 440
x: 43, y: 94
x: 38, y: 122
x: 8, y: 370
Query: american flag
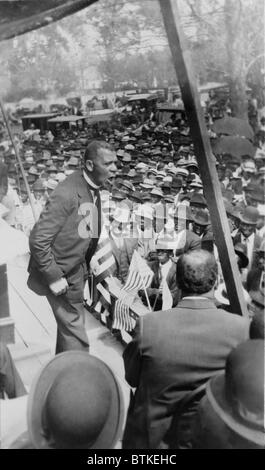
x: 139, y: 277
x: 102, y: 265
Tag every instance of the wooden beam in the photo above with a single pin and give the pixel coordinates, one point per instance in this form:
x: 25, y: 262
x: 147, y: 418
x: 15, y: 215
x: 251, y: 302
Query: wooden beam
x: 182, y: 63
x: 19, y: 17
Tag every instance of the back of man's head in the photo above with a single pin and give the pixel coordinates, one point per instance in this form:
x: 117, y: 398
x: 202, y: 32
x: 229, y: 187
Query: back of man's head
x: 196, y: 272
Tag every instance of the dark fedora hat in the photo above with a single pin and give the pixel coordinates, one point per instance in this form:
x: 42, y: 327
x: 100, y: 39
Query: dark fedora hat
x: 75, y: 403
x: 237, y: 396
x: 250, y: 215
x: 198, y: 200
x: 201, y: 218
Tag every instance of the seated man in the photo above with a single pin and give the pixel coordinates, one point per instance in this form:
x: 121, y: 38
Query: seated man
x: 175, y: 352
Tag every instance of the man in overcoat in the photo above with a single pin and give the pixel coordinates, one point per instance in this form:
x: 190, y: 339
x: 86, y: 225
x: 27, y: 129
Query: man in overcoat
x: 176, y: 351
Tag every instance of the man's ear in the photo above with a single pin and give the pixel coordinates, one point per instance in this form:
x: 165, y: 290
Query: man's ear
x: 89, y: 165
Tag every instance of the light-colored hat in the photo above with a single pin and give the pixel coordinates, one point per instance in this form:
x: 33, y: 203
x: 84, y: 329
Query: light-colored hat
x: 51, y: 184
x: 141, y: 166
x: 156, y: 192
x: 165, y: 243
x: 121, y: 215
x: 249, y: 166
x: 167, y: 179
x: 182, y: 172
x: 60, y: 177
x: 144, y: 211
x: 147, y: 183
x: 129, y: 147
x: 29, y: 159
x: 74, y: 161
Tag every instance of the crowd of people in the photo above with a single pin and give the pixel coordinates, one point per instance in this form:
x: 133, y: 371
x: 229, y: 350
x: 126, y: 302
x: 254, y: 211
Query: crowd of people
x: 142, y: 183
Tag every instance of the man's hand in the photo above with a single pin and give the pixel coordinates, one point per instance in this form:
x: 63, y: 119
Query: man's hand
x: 59, y: 287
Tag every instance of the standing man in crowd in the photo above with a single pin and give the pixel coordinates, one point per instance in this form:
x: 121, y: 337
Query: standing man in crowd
x: 176, y: 351
x: 63, y: 241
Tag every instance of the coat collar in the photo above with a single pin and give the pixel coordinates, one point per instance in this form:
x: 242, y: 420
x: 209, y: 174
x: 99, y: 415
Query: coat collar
x: 83, y: 189
x: 196, y: 303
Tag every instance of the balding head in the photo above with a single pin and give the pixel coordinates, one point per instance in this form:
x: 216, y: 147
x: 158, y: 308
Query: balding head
x: 196, y: 272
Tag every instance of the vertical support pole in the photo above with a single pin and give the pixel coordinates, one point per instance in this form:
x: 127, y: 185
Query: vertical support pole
x: 183, y: 67
x: 7, y: 329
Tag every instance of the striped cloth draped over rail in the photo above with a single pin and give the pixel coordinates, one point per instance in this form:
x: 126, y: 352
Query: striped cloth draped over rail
x: 102, y: 265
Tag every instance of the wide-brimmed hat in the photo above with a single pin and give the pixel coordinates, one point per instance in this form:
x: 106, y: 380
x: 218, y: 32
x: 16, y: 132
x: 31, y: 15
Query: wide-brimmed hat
x: 198, y: 200
x: 156, y: 192
x: 182, y: 172
x: 60, y: 177
x: 147, y: 184
x: 201, y: 218
x: 51, y: 184
x: 250, y: 215
x: 75, y: 402
x: 74, y: 161
x: 249, y: 166
x: 38, y: 186
x: 118, y: 195
x: 127, y: 184
x: 237, y: 396
x: 166, y: 242
x: 136, y: 196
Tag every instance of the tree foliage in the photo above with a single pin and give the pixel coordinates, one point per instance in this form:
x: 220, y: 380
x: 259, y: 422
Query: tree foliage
x: 124, y: 42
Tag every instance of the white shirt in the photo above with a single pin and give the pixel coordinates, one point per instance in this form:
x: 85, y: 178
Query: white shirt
x: 165, y: 268
x: 119, y: 241
x: 249, y: 242
x: 92, y: 185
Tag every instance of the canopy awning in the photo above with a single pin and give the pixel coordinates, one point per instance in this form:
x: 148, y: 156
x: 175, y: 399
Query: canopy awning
x: 20, y: 16
x: 142, y: 96
x: 70, y: 118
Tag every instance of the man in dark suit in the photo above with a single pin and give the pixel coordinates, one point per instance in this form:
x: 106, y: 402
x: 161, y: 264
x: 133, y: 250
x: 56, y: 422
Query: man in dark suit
x: 175, y: 351
x: 63, y: 241
x: 247, y: 235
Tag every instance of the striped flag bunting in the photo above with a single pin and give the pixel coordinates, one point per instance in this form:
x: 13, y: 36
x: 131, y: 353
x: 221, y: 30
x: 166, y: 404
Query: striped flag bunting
x: 139, y: 277
x: 102, y: 265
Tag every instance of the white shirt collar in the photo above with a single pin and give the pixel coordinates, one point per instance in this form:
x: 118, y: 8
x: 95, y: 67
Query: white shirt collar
x: 88, y: 180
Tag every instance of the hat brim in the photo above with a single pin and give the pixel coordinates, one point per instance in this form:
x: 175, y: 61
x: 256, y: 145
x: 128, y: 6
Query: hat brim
x: 216, y: 395
x: 200, y: 222
x: 41, y: 385
x: 246, y: 221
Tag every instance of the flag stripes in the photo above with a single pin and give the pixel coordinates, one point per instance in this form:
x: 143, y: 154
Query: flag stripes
x: 139, y: 277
